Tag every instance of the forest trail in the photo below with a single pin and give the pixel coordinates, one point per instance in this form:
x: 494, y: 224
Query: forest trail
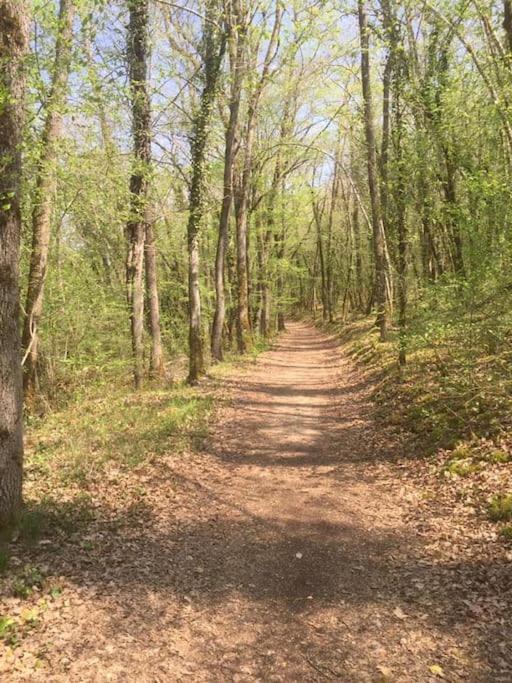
x: 280, y: 552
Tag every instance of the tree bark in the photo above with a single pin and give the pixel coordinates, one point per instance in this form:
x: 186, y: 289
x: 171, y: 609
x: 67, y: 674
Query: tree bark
x: 46, y: 183
x: 242, y: 220
x: 287, y: 122
x: 386, y: 131
x: 139, y: 180
x: 451, y: 210
x: 377, y: 225
x: 318, y: 215
x: 14, y: 25
x: 507, y: 24
x: 359, y: 261
x: 213, y: 55
x: 237, y: 44
x: 156, y: 360
x: 243, y: 190
x: 398, y: 75
x: 330, y: 228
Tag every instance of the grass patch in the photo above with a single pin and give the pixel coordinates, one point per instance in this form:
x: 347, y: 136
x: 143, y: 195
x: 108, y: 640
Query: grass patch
x: 76, y: 443
x: 49, y: 514
x: 463, y: 468
x: 498, y: 457
x: 448, y: 391
x: 506, y: 532
x: 500, y: 508
x: 25, y: 584
x: 7, y: 630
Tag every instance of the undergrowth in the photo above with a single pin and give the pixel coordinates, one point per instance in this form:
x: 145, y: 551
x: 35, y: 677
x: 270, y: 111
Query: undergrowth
x: 105, y: 428
x: 75, y: 443
x: 454, y: 395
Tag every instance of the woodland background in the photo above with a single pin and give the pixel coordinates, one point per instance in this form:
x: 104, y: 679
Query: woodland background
x: 195, y: 172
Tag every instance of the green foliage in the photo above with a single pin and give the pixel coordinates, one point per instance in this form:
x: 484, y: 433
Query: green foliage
x: 498, y: 456
x: 111, y: 424
x: 500, y: 508
x: 25, y: 584
x: 463, y: 468
x: 4, y: 559
x: 8, y: 630
x: 506, y: 532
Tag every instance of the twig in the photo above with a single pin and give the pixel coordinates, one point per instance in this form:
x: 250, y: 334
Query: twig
x: 333, y: 675
x: 188, y: 9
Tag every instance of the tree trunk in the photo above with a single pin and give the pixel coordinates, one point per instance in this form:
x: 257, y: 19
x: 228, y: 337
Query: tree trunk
x: 330, y: 227
x: 213, y: 54
x: 243, y: 191
x: 289, y: 114
x: 359, y: 261
x: 14, y: 25
x: 386, y: 130
x: 318, y: 215
x: 280, y: 252
x: 139, y: 181
x: 452, y: 223
x: 156, y: 360
x: 237, y: 35
x: 377, y: 225
x: 267, y: 238
x: 507, y: 24
x: 44, y: 194
x: 399, y: 186
x: 242, y: 220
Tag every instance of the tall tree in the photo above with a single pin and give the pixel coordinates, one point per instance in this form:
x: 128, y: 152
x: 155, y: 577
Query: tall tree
x: 141, y: 243
x: 214, y: 46
x: 46, y: 184
x: 245, y: 179
x: 398, y: 76
x: 156, y: 359
x: 14, y: 22
x: 236, y: 27
x: 379, y: 244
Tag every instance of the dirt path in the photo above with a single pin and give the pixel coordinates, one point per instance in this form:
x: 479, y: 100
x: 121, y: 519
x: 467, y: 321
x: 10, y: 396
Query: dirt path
x: 282, y: 552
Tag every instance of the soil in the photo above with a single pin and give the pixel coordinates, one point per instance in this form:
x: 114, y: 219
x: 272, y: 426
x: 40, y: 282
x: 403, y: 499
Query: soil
x: 291, y: 547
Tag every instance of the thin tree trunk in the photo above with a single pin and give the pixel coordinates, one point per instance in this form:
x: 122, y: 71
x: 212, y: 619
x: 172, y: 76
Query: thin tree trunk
x: 266, y: 236
x: 399, y: 186
x: 14, y: 25
x: 359, y: 262
x: 242, y: 220
x: 330, y: 226
x: 237, y: 52
x: 318, y: 214
x: 213, y: 55
x: 243, y: 190
x: 289, y: 114
x: 281, y: 325
x: 452, y: 224
x: 377, y: 225
x: 156, y: 360
x: 139, y: 181
x: 507, y: 24
x: 99, y: 97
x: 263, y: 237
x: 386, y: 129
x: 46, y: 183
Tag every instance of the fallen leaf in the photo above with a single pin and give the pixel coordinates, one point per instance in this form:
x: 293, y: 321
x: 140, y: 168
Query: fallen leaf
x: 386, y: 672
x: 437, y: 670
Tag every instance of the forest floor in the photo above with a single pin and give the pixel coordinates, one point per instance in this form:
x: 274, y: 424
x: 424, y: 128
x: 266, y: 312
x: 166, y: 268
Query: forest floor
x: 300, y: 542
